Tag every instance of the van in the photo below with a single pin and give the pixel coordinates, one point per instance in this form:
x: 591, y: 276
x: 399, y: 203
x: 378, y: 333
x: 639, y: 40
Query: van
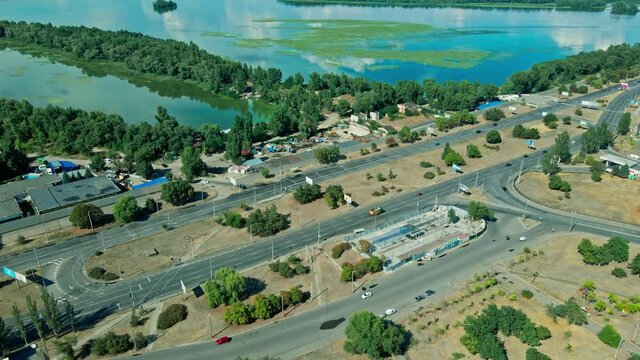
x: 634, y: 157
x: 358, y: 231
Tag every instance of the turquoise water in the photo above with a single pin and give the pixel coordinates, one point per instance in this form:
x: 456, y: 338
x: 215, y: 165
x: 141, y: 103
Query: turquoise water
x: 511, y: 40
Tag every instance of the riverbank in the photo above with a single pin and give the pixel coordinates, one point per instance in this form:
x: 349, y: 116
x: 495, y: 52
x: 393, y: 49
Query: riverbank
x: 163, y: 85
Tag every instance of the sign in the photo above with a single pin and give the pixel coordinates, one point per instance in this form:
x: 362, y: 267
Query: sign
x: 531, y: 144
x: 456, y: 168
x: 347, y: 198
x: 21, y: 277
x: 309, y: 180
x: 184, y: 288
x: 233, y: 182
x: 8, y: 272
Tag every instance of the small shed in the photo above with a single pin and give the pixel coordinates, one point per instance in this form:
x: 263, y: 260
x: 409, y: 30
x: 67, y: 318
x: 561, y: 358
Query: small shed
x: 238, y: 169
x: 402, y: 108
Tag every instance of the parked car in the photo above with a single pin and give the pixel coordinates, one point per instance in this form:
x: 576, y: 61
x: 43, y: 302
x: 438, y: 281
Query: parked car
x: 376, y: 211
x: 204, y: 181
x: 366, y: 295
x: 430, y: 292
x: 419, y: 298
x: 522, y: 238
x: 390, y: 311
x: 223, y: 340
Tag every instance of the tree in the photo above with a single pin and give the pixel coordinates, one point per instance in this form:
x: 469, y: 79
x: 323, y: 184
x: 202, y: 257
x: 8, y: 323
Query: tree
x: 562, y: 147
x: 570, y: 310
x: 473, y: 151
x: 192, y: 164
x: 307, y: 193
x: 619, y: 272
x: 446, y: 151
x: 267, y: 222
x: 334, y: 196
x: 327, y: 155
x: 624, y: 124
x: 478, y: 210
x: 265, y: 307
x: 19, y: 323
x: 65, y: 347
x: 70, y: 313
x: 213, y: 138
x: 533, y: 354
x: 618, y: 247
x: 177, y: 192
x: 556, y: 183
x: 549, y: 163
x: 635, y: 265
x: 625, y: 7
x: 4, y: 332
x: 82, y: 212
x: 172, y: 315
x: 453, y: 157
x: 376, y: 337
x: 111, y: 344
x: 493, y: 137
x: 609, y: 335
x: 97, y: 162
x: 238, y: 314
x: 150, y: 205
x: 407, y: 136
x: 451, y: 214
x: 226, y: 287
x: 126, y: 210
x: 343, y: 107
x: 36, y: 319
x: 550, y: 120
x: 52, y: 316
x: 596, y: 138
x: 144, y: 169
x: 494, y: 114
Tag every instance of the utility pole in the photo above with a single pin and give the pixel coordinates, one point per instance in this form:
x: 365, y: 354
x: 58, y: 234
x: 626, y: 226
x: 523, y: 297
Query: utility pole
x: 352, y: 282
x: 46, y: 232
x: 476, y: 185
x: 193, y: 253
x: 300, y: 215
x: 251, y: 232
x: 272, y: 258
x: 90, y: 221
x: 318, y: 235
x: 210, y: 271
x: 618, y: 349
x: 635, y: 331
x: 84, y: 266
x: 37, y: 259
x: 119, y: 269
x: 255, y: 200
x: 104, y: 247
x: 282, y: 303
x: 214, y: 207
x: 520, y: 174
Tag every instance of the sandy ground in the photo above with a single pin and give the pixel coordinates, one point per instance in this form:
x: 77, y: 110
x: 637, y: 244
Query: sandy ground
x: 562, y: 272
x: 10, y: 294
x: 587, y: 197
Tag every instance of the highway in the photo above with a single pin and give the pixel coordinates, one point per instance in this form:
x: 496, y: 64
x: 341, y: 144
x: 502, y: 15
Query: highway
x: 199, y: 211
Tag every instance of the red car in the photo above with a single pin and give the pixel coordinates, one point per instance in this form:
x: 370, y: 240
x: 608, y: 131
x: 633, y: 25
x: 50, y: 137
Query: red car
x: 223, y: 340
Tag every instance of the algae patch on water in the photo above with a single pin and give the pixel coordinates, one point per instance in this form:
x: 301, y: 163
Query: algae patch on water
x: 335, y: 40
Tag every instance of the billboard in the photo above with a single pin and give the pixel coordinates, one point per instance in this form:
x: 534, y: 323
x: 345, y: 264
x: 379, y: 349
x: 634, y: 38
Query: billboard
x: 14, y: 274
x: 233, y: 182
x: 309, y: 180
x: 531, y: 144
x: 456, y: 168
x: 347, y: 198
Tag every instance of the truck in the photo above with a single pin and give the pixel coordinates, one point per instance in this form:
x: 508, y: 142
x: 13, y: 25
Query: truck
x: 590, y: 105
x: 376, y: 211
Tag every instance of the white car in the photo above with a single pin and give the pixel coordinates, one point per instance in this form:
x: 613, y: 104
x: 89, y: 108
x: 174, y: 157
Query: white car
x: 523, y: 238
x: 205, y: 181
x: 366, y: 295
x: 390, y: 311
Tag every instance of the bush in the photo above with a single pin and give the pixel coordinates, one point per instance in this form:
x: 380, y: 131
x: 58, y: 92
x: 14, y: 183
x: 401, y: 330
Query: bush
x: 494, y: 114
x: 570, y: 310
x: 527, y: 294
x: 96, y: 272
x: 473, y: 151
x: 493, y: 137
x: 429, y: 175
x: 533, y: 354
x: 109, y: 276
x: 336, y: 251
x: 141, y: 340
x: 619, y: 272
x: 610, y: 336
x: 426, y: 164
x: 172, y: 315
x: 150, y: 205
x: 233, y: 219
x: 307, y: 193
x: 111, y: 344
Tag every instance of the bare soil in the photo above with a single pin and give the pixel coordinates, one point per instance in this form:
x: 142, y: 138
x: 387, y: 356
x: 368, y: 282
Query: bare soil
x: 587, y: 197
x: 10, y: 294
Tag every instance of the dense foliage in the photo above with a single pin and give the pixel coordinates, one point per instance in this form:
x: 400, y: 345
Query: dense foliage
x: 339, y: 249
x: 307, y: 193
x: 493, y: 137
x: 264, y: 306
x: 478, y: 210
x: 596, y: 138
x: 422, y: 3
x: 615, y: 249
x: 84, y: 216
x: 334, y: 196
x: 570, y: 311
x: 351, y: 272
x: 481, y: 331
x: 226, y: 287
x: 494, y: 114
x: 162, y: 6
x: 327, y: 155
x: 609, y: 335
x: 267, y: 222
x: 376, y: 337
x: 522, y: 132
x: 111, y: 344
x: 627, y: 7
x: 177, y: 192
x: 172, y: 315
x: 126, y: 210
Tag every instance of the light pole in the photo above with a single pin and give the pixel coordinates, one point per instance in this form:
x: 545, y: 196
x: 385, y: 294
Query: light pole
x: 618, y: 348
x: 300, y: 215
x: 318, y: 235
x: 104, y: 247
x: 251, y: 232
x: 635, y: 331
x: 37, y: 259
x: 272, y: 257
x: 90, y: 221
x: 476, y: 185
x: 255, y: 199
x: 210, y: 270
x: 520, y: 173
x: 214, y: 207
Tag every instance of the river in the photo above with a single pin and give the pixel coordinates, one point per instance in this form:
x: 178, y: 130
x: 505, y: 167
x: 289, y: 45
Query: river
x: 380, y: 43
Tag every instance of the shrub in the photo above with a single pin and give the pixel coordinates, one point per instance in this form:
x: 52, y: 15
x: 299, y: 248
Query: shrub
x: 111, y: 344
x: 533, y: 354
x: 609, y: 335
x: 336, y: 251
x: 426, y: 164
x: 109, y: 276
x: 141, y: 340
x: 171, y: 316
x: 570, y: 310
x: 619, y: 272
x: 429, y: 175
x: 96, y: 272
x: 307, y: 193
x: 600, y: 306
x: 527, y: 294
x: 493, y: 137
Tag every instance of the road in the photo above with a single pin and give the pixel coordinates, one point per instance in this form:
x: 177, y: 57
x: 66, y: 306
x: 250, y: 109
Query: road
x: 198, y: 212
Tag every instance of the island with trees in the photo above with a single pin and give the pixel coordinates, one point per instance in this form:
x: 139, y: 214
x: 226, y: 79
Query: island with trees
x: 162, y: 6
x: 581, y: 5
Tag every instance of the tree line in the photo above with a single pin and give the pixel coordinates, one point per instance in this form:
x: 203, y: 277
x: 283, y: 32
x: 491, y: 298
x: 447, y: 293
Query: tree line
x: 582, y: 5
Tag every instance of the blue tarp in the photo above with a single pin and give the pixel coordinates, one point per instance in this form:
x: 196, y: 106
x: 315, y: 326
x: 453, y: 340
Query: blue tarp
x: 489, y: 105
x: 153, y: 182
x: 61, y: 165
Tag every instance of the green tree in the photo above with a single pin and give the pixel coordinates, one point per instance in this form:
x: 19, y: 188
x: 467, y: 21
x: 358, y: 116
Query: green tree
x: 447, y: 149
x: 534, y: 354
x: 82, y: 212
x: 97, y: 162
x: 213, y: 138
x: 473, y: 151
x: 70, y: 314
x: 327, y: 155
x: 570, y: 310
x: 635, y: 265
x: 624, y: 124
x: 238, y: 314
x: 65, y: 347
x: 297, y: 296
x: 126, y: 210
x: 376, y: 337
x: 177, y: 192
x: 453, y: 157
x: 618, y: 247
x: 451, y: 214
x: 267, y: 222
x: 4, y: 332
x: 562, y: 147
x: 626, y: 7
x: 609, y: 335
x: 226, y: 287
x: 549, y: 163
x: 36, y: 319
x: 407, y: 136
x: 494, y: 114
x: 170, y: 316
x: 233, y: 219
x: 150, y: 205
x: 493, y: 137
x: 334, y: 196
x: 144, y: 169
x: 343, y: 107
x: 192, y: 164
x: 19, y: 323
x: 307, y: 193
x: 264, y: 307
x: 478, y: 210
x: 550, y: 120
x: 619, y: 272
x: 52, y: 316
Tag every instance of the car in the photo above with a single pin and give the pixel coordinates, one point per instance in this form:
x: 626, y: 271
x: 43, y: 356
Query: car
x: 376, y: 211
x: 223, y: 340
x: 507, y: 164
x: 205, y: 181
x: 525, y: 156
x: 419, y: 298
x: 426, y: 257
x: 495, y: 124
x: 366, y: 295
x: 164, y: 165
x: 418, y: 194
x: 437, y: 144
x: 504, y: 188
x: 390, y: 311
x: 478, y: 131
x: 545, y: 151
x: 573, y: 141
x: 430, y: 292
x: 522, y: 238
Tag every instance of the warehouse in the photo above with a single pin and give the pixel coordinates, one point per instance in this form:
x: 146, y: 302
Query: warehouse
x: 53, y: 198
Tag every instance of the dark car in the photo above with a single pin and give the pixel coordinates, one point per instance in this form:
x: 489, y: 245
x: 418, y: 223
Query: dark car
x: 223, y: 340
x: 430, y: 292
x: 419, y: 298
x: 507, y: 164
x: 495, y: 124
x: 544, y: 151
x: 418, y: 194
x: 525, y: 155
x: 437, y: 144
x: 478, y: 131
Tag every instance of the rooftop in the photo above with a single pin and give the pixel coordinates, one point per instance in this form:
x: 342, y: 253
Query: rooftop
x: 17, y: 188
x: 618, y: 160
x: 47, y: 199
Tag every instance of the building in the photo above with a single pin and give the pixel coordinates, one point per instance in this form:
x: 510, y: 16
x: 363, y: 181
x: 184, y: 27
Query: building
x: 374, y: 115
x: 402, y: 108
x: 14, y: 193
x: 52, y: 198
x: 617, y: 160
